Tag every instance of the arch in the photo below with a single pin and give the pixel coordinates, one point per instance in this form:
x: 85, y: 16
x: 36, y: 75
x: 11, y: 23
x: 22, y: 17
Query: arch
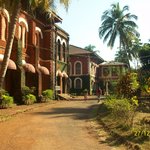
x: 39, y: 30
x: 70, y: 83
x: 7, y: 14
x: 78, y: 83
x: 78, y: 69
x: 25, y: 22
x: 58, y: 38
x: 64, y: 51
x: 63, y: 42
x: 58, y: 50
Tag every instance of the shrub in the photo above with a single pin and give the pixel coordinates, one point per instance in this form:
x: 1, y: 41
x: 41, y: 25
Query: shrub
x: 4, y: 92
x: 25, y: 90
x: 47, y: 95
x: 122, y: 110
x: 27, y: 95
x: 128, y: 85
x: 6, y: 101
x: 29, y: 99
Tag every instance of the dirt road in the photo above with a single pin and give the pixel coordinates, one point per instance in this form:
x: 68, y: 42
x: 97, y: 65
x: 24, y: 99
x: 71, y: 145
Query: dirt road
x: 60, y: 126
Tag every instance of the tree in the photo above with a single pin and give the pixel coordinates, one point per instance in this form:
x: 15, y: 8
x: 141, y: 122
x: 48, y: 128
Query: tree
x: 131, y: 52
x: 90, y: 48
x: 120, y: 56
x: 144, y: 56
x: 117, y: 23
x: 14, y: 7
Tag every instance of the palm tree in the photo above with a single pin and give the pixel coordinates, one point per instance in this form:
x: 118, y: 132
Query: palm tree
x: 14, y: 7
x: 117, y: 23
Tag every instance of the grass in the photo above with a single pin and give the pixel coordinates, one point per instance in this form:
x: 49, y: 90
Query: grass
x: 135, y: 137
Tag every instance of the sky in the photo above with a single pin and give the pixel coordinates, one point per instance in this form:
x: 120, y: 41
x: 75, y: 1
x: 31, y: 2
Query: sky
x: 83, y: 19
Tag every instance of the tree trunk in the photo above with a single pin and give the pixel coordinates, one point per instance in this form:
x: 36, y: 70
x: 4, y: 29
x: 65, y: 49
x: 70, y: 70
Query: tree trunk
x: 10, y: 39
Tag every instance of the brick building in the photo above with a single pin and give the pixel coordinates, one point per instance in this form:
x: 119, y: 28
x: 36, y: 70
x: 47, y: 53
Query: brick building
x: 39, y: 53
x: 83, y: 67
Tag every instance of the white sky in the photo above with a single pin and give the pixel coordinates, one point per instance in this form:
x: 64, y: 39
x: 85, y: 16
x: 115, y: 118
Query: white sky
x: 83, y: 19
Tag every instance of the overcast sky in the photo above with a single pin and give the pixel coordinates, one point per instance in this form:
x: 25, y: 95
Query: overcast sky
x: 83, y: 19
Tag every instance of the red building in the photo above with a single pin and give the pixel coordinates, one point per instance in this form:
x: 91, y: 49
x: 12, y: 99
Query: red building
x: 83, y: 67
x: 39, y: 53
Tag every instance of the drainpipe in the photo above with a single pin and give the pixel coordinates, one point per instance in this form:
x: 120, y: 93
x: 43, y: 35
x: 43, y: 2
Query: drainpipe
x: 55, y: 61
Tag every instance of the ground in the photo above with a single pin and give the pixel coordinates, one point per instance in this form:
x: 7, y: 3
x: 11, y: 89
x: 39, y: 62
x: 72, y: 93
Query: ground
x: 64, y: 125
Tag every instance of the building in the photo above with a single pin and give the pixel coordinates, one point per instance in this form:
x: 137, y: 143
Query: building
x: 109, y: 73
x: 39, y: 53
x: 83, y: 65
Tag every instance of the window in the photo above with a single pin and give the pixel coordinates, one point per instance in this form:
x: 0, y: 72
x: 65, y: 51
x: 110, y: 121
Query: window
x: 64, y: 52
x: 4, y: 19
x: 23, y: 29
x: 58, y: 50
x: 78, y: 83
x: 114, y: 71
x: 69, y: 83
x: 3, y: 28
x: 70, y: 68
x: 78, y: 67
x: 106, y: 71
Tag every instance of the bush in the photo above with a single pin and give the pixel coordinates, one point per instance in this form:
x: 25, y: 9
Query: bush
x: 25, y: 90
x: 29, y: 99
x: 6, y: 101
x: 122, y: 110
x: 27, y: 95
x: 4, y: 92
x: 47, y: 95
x: 128, y: 85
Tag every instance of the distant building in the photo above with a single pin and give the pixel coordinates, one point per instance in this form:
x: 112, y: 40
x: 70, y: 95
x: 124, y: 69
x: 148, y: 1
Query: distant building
x: 83, y: 65
x: 109, y: 72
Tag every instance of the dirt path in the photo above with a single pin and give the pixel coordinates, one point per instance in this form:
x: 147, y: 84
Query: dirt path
x: 61, y: 126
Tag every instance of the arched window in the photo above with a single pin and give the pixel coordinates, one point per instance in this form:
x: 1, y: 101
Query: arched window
x: 3, y: 28
x: 23, y: 29
x: 58, y: 50
x: 78, y: 68
x: 4, y: 19
x: 70, y: 83
x: 64, y: 52
x: 70, y: 69
x: 78, y: 83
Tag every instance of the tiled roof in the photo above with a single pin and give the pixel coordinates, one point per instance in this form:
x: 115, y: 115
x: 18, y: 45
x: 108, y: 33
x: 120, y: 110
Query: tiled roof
x: 109, y: 63
x: 77, y: 50
x: 74, y: 50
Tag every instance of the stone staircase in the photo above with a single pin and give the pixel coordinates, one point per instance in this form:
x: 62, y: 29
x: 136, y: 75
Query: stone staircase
x: 65, y: 96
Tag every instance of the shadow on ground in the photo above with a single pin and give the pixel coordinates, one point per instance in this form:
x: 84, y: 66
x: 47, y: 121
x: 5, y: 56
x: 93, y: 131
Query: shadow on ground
x: 74, y: 112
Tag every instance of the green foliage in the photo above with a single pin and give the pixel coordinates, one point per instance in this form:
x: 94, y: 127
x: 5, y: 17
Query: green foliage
x: 27, y: 95
x: 29, y: 99
x: 6, y: 101
x: 47, y: 95
x: 122, y: 110
x: 4, y: 92
x: 90, y: 48
x: 144, y: 55
x: 120, y: 23
x: 144, y: 80
x: 26, y: 90
x: 128, y: 85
